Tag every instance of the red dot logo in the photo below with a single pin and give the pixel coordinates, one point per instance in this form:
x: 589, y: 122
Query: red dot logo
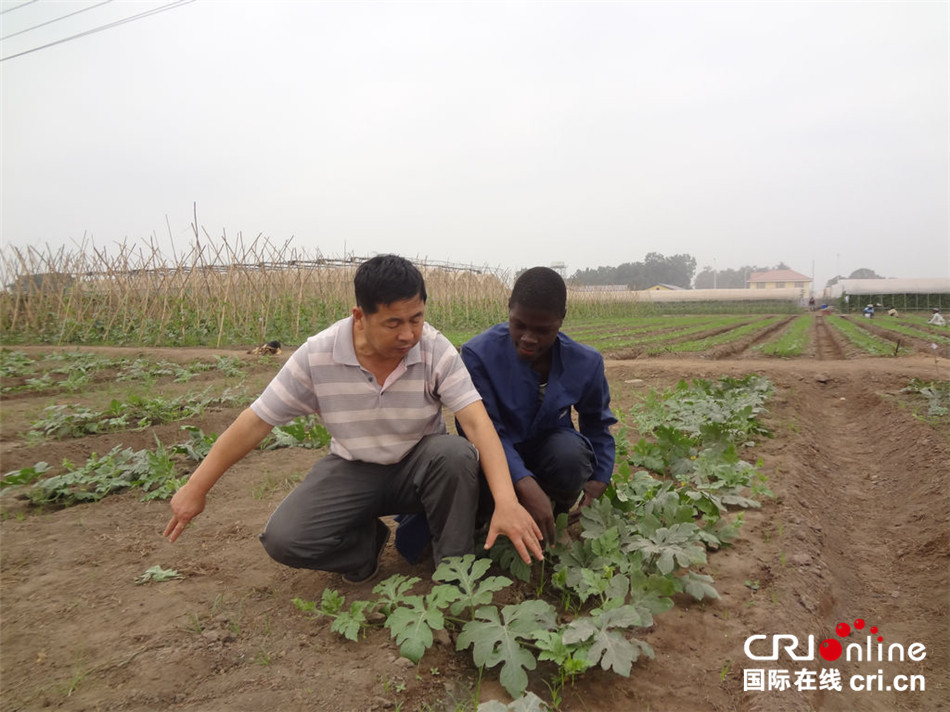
x: 843, y: 629
x: 859, y: 623
x: 830, y: 649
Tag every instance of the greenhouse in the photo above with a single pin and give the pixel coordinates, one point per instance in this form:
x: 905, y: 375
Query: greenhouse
x: 901, y: 294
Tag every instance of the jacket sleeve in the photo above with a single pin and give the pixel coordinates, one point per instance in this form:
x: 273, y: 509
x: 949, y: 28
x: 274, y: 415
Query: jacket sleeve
x: 483, y: 384
x: 595, y: 418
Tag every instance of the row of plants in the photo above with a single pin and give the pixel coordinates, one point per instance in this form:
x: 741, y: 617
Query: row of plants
x: 862, y: 338
x: 585, y: 329
x: 138, y: 412
x: 792, y: 342
x: 624, y: 329
x: 158, y: 472
x: 634, y: 553
x: 708, y: 342
x: 75, y: 370
x: 65, y: 370
x: 915, y: 330
x: 662, y: 338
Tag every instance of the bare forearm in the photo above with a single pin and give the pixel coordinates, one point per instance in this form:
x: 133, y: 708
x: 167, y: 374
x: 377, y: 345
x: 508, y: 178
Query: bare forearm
x: 510, y: 518
x: 243, y: 435
x: 495, y: 466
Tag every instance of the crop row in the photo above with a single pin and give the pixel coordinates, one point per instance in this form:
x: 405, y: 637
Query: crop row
x: 642, y: 543
x: 158, y: 472
x: 861, y: 338
x: 792, y: 341
x: 915, y: 328
x: 74, y: 371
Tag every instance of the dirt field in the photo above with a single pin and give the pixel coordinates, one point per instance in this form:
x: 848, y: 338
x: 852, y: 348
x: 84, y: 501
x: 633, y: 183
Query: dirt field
x: 859, y: 529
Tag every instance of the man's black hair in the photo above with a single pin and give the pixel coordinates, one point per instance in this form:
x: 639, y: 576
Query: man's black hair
x: 540, y: 288
x: 385, y: 279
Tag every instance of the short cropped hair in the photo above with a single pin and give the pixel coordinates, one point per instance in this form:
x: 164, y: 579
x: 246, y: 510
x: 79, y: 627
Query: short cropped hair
x: 540, y: 288
x: 385, y: 279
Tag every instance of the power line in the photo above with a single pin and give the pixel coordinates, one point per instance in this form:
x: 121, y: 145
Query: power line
x: 11, y: 9
x: 133, y: 18
x: 55, y: 19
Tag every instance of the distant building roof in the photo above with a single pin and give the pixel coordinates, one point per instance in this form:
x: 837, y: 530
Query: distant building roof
x: 664, y: 285
x: 779, y: 275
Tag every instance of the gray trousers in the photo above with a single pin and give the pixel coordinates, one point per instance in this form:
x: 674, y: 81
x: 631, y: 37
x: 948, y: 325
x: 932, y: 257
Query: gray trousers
x: 328, y: 522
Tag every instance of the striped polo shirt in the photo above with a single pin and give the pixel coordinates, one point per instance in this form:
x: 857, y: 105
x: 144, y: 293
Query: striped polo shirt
x: 368, y: 421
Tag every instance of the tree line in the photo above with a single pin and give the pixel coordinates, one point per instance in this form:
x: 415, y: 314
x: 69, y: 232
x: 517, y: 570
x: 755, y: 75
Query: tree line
x: 679, y: 271
x: 675, y: 270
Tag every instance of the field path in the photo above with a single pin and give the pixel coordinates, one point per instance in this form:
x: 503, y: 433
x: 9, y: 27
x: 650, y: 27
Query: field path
x: 827, y: 346
x: 875, y: 506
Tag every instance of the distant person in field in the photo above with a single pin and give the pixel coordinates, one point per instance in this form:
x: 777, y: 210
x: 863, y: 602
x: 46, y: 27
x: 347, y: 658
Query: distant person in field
x: 936, y: 318
x: 378, y: 380
x: 531, y: 378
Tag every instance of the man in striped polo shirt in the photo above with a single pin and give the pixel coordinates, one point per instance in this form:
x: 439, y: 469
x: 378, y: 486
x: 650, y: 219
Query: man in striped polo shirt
x: 378, y: 380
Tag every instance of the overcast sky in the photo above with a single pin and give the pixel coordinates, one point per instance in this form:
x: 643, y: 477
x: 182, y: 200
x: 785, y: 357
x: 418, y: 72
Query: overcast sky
x: 500, y: 133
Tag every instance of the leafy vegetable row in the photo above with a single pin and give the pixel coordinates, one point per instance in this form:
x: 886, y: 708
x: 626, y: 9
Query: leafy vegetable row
x: 637, y: 547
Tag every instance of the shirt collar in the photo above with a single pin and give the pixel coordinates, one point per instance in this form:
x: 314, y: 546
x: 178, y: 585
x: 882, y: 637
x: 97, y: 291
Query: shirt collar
x: 344, y: 350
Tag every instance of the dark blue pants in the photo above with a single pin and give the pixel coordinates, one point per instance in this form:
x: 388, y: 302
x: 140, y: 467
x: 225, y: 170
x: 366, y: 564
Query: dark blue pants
x: 562, y: 461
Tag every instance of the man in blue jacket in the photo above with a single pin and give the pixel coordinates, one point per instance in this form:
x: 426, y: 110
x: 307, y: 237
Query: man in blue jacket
x: 531, y: 377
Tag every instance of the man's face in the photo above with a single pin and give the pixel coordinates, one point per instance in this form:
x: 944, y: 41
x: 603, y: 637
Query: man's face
x: 394, y: 328
x: 533, y: 331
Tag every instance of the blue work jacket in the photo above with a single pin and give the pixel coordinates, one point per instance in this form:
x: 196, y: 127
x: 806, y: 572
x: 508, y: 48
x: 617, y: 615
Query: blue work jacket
x: 509, y: 388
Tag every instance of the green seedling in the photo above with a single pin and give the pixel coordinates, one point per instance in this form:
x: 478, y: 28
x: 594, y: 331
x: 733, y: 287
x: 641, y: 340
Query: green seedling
x: 156, y: 574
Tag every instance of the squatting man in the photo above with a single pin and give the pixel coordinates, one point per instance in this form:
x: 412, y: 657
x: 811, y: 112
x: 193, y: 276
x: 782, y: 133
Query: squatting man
x: 532, y: 378
x: 378, y: 380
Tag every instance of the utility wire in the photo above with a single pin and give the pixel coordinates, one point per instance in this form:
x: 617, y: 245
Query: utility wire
x: 55, y: 19
x: 133, y: 18
x: 11, y: 9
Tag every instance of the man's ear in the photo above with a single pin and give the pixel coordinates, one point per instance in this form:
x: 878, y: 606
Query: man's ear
x: 358, y: 317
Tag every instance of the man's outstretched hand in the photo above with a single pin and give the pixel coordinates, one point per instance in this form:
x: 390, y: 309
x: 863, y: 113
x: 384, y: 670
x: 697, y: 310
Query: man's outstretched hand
x: 514, y: 521
x: 187, y: 504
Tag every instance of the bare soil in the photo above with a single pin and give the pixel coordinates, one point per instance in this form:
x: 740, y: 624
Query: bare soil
x: 859, y: 528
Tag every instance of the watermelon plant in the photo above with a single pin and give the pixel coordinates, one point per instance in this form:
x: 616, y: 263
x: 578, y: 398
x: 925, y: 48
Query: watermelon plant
x: 636, y: 549
x: 72, y: 421
x: 937, y: 394
x: 156, y: 472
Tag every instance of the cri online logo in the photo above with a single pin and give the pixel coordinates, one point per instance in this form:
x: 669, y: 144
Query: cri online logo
x: 830, y: 649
